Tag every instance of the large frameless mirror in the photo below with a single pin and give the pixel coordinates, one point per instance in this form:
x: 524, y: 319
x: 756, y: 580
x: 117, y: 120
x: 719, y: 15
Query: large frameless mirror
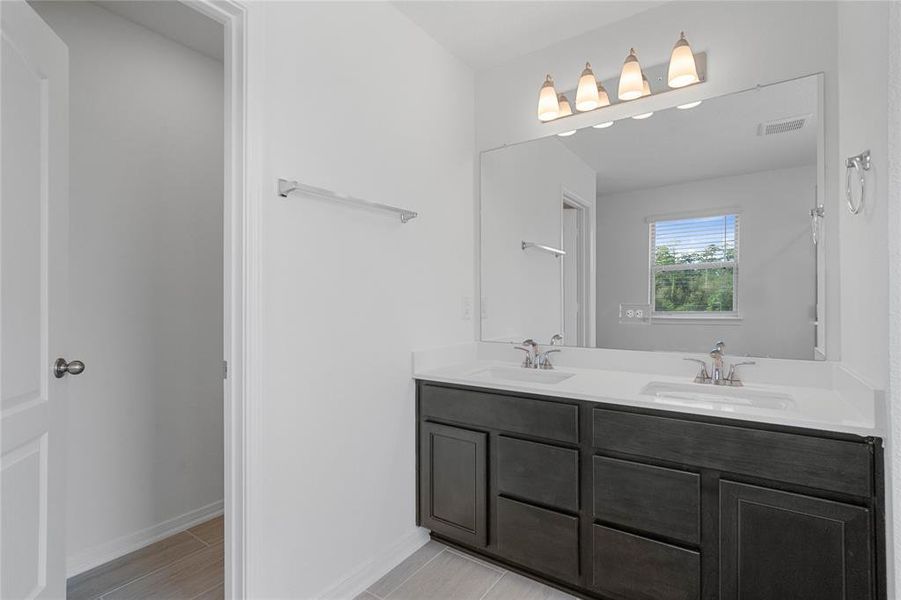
x: 669, y: 232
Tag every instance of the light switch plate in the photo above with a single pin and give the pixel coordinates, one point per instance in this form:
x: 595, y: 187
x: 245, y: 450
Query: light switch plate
x: 635, y: 314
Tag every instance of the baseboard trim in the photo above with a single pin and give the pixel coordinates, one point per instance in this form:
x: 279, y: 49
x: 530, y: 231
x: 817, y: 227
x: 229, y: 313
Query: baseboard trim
x: 371, y: 571
x: 102, y: 553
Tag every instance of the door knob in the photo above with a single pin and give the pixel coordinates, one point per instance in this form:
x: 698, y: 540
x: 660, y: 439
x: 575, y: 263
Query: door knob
x: 61, y: 367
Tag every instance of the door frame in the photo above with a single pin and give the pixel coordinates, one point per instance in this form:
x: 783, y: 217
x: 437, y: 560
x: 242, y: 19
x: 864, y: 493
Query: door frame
x: 241, y: 277
x: 587, y: 277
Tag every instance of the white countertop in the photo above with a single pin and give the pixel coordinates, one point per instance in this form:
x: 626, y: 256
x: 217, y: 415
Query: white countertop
x: 842, y: 406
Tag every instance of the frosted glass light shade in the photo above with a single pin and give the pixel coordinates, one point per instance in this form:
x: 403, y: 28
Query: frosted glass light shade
x: 603, y: 97
x: 630, y: 85
x: 565, y: 108
x: 587, y: 92
x: 548, y: 108
x: 682, y: 68
x: 645, y: 86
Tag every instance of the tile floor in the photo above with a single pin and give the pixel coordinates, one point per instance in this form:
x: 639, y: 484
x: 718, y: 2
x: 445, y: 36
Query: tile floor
x: 189, y: 566
x: 185, y: 566
x: 436, y: 572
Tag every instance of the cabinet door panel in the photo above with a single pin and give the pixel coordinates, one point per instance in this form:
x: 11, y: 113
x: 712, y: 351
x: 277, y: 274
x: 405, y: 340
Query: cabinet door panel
x: 776, y: 544
x: 453, y: 482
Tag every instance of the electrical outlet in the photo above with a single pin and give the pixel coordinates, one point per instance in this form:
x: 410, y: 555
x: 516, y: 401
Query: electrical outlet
x: 467, y: 308
x: 635, y: 314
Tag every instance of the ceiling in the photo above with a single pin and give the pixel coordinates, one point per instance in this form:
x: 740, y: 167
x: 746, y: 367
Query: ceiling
x: 716, y: 139
x: 487, y: 33
x: 173, y: 20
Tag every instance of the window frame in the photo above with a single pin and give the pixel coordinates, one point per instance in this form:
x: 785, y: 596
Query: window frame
x: 653, y: 268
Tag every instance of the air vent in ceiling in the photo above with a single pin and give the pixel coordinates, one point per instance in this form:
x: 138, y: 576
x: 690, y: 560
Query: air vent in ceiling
x: 782, y: 125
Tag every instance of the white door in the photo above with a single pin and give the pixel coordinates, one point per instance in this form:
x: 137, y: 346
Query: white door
x: 33, y: 271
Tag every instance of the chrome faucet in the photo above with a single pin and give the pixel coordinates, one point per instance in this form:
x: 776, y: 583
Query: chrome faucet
x: 719, y: 350
x: 715, y: 376
x: 557, y: 340
x: 535, y: 359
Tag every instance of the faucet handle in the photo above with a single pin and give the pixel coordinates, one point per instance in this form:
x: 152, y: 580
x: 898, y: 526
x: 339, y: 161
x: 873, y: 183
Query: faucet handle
x: 557, y: 340
x: 730, y: 378
x: 527, y: 361
x: 542, y: 361
x: 703, y: 376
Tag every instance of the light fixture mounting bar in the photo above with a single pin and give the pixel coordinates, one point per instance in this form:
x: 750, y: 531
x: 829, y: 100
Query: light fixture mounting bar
x: 289, y: 186
x: 657, y: 76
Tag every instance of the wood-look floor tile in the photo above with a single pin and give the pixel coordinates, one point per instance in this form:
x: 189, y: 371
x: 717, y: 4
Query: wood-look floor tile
x: 516, y: 587
x: 118, y: 572
x: 211, y: 532
x: 474, y: 558
x: 216, y: 593
x: 181, y: 580
x: 399, y: 574
x: 448, y: 575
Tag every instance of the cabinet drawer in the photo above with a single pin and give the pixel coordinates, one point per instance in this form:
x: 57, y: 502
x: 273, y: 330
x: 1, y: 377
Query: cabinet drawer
x: 653, y: 499
x: 836, y: 465
x: 541, y: 539
x: 538, y: 472
x: 550, y: 420
x: 633, y: 567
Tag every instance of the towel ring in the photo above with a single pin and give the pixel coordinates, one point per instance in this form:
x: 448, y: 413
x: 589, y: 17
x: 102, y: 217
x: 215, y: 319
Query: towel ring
x: 860, y: 164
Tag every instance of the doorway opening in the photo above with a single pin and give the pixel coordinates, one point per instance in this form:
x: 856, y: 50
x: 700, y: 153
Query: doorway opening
x: 152, y: 185
x: 576, y: 271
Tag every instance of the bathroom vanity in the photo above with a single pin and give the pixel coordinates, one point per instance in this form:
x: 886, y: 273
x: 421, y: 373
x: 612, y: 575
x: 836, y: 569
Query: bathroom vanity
x: 617, y: 501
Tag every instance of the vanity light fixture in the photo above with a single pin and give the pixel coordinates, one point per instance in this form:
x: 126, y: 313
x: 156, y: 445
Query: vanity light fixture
x: 565, y: 111
x: 689, y: 105
x: 682, y: 68
x: 603, y: 96
x: 587, y: 97
x: 630, y: 79
x: 548, y: 106
x: 645, y: 91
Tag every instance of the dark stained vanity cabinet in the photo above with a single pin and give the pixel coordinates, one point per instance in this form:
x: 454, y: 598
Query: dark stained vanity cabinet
x: 619, y: 503
x: 454, y: 496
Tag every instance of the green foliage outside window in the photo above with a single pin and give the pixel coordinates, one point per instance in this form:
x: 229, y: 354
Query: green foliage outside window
x: 705, y: 289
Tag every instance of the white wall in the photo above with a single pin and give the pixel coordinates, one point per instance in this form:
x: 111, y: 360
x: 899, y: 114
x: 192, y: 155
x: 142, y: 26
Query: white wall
x: 862, y: 125
x: 358, y: 99
x: 776, y: 276
x: 863, y: 68
x: 522, y: 200
x: 145, y: 418
x: 893, y: 199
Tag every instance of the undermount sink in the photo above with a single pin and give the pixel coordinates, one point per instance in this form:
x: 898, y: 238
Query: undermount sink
x: 520, y: 374
x: 697, y: 393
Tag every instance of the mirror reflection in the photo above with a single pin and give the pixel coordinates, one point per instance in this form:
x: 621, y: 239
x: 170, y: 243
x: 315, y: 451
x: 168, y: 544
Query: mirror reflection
x: 691, y: 225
